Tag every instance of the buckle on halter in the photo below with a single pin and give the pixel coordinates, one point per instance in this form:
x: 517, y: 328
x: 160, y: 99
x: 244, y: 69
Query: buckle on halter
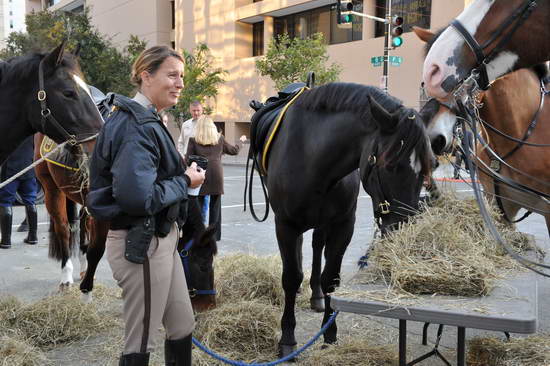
x: 72, y: 140
x: 384, y: 207
x: 45, y: 112
x: 41, y: 95
x: 372, y: 160
x: 192, y: 292
x: 495, y: 165
x: 184, y: 253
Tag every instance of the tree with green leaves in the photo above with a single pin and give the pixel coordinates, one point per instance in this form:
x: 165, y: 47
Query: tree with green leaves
x: 103, y: 65
x: 288, y: 60
x: 201, y: 81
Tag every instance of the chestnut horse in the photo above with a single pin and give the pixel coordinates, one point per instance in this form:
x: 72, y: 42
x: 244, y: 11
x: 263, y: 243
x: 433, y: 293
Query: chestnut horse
x: 489, y: 38
x: 515, y: 113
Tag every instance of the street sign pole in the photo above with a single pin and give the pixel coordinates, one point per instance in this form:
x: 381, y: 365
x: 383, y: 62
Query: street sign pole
x: 387, y: 46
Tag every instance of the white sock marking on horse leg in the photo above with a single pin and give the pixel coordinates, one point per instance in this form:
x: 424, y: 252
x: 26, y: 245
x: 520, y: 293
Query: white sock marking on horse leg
x: 67, y: 273
x: 83, y: 263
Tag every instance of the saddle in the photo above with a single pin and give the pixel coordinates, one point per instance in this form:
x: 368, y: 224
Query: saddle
x: 267, y: 118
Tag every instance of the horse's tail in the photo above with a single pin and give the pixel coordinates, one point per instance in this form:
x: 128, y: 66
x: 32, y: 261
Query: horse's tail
x: 60, y: 249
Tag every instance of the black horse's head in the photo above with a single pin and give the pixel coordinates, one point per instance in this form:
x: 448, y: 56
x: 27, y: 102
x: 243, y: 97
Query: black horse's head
x: 198, y: 244
x: 394, y: 164
x: 51, y: 89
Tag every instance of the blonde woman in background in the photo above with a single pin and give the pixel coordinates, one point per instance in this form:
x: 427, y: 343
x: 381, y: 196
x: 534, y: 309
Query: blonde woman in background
x: 211, y: 144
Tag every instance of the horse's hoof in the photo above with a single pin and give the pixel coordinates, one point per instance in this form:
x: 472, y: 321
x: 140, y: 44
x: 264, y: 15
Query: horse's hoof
x: 86, y: 297
x: 317, y: 304
x: 285, y: 350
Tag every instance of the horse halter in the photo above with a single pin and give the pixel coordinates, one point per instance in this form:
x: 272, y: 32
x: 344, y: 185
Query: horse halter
x: 383, y: 207
x: 184, y: 254
x: 517, y: 18
x: 46, y: 113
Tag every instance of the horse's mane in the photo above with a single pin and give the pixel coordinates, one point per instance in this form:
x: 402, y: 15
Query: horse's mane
x: 22, y: 68
x: 408, y: 134
x: 346, y: 96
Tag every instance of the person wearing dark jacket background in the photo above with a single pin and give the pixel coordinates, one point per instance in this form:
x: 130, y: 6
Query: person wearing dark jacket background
x: 138, y: 182
x: 211, y: 144
x: 25, y: 185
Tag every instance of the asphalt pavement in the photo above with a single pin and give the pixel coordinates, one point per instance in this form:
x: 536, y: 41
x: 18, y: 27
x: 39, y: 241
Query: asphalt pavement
x: 29, y: 274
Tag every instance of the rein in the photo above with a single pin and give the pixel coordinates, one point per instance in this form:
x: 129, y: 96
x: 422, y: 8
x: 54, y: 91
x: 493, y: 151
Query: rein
x: 516, y: 19
x: 184, y: 254
x: 527, y: 263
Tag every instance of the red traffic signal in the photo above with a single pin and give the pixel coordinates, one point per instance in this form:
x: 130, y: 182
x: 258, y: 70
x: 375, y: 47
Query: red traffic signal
x: 397, y: 20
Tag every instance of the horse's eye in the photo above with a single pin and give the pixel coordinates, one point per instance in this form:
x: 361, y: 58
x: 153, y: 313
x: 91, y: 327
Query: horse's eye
x: 69, y: 94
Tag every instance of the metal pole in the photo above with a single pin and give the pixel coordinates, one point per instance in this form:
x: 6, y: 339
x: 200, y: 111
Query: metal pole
x: 387, y: 46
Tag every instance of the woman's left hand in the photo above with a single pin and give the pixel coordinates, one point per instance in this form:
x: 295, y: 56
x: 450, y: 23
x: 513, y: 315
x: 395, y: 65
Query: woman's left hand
x: 243, y: 138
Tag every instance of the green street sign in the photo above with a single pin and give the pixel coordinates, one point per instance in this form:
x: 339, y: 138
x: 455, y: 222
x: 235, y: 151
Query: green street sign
x: 395, y: 60
x: 377, y: 61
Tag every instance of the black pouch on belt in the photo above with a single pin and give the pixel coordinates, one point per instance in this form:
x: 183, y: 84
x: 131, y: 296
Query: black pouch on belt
x: 138, y: 240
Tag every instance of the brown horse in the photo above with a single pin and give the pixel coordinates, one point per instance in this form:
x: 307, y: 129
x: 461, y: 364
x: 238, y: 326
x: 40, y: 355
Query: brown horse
x: 490, y: 37
x: 62, y: 185
x: 515, y: 112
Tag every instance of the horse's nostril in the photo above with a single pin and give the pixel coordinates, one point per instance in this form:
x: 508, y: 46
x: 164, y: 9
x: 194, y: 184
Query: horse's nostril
x: 438, y: 144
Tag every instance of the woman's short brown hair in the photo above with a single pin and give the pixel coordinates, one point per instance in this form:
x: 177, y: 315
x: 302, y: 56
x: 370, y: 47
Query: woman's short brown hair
x: 150, y: 61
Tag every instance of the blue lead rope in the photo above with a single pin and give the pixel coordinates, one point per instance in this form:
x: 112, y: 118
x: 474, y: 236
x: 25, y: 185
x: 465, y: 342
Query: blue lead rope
x: 272, y: 363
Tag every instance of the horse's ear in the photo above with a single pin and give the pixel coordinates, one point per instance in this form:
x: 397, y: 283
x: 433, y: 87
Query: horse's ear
x: 422, y: 33
x: 208, y: 236
x: 384, y: 119
x: 54, y: 58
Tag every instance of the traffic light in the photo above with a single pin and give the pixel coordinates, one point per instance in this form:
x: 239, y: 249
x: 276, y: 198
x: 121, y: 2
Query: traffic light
x: 397, y: 31
x: 343, y: 18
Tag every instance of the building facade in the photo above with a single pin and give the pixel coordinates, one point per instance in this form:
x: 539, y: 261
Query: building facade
x: 239, y: 31
x: 12, y: 18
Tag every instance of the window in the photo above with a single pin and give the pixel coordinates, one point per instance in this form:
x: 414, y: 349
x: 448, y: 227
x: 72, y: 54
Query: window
x: 414, y: 12
x: 320, y: 20
x: 11, y: 24
x: 258, y: 39
x: 173, y: 44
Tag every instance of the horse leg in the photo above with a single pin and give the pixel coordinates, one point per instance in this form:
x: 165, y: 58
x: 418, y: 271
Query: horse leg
x: 98, y: 236
x: 74, y: 226
x: 290, y: 247
x: 318, y: 243
x: 338, y: 238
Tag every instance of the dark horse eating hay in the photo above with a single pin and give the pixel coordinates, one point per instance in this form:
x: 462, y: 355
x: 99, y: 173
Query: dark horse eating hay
x: 313, y: 179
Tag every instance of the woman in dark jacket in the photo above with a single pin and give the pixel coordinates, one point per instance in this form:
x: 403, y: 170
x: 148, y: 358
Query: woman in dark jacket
x: 208, y: 142
x: 138, y: 183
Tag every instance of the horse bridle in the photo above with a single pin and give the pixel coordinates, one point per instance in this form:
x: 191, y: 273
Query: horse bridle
x: 46, y: 113
x: 184, y: 254
x: 517, y: 18
x: 384, y: 206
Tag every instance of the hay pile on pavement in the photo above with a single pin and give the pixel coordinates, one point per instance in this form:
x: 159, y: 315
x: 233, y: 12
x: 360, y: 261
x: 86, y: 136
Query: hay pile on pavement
x: 530, y: 351
x: 248, y: 277
x: 15, y: 351
x: 351, y: 351
x: 54, y: 319
x: 444, y: 250
x: 245, y: 331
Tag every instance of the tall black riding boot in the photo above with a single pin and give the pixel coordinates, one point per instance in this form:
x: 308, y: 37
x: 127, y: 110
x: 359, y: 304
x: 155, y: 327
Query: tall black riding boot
x: 178, y: 352
x: 134, y: 359
x: 5, y: 227
x: 23, y: 226
x: 32, y: 220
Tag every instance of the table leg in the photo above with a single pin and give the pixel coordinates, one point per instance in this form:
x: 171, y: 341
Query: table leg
x: 461, y: 346
x: 402, y: 342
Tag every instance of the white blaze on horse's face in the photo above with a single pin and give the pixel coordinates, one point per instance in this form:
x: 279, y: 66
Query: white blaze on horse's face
x: 82, y: 85
x: 440, y: 130
x: 443, y: 67
x: 415, y: 163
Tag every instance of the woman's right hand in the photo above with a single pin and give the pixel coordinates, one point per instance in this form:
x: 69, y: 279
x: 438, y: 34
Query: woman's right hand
x: 196, y: 174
